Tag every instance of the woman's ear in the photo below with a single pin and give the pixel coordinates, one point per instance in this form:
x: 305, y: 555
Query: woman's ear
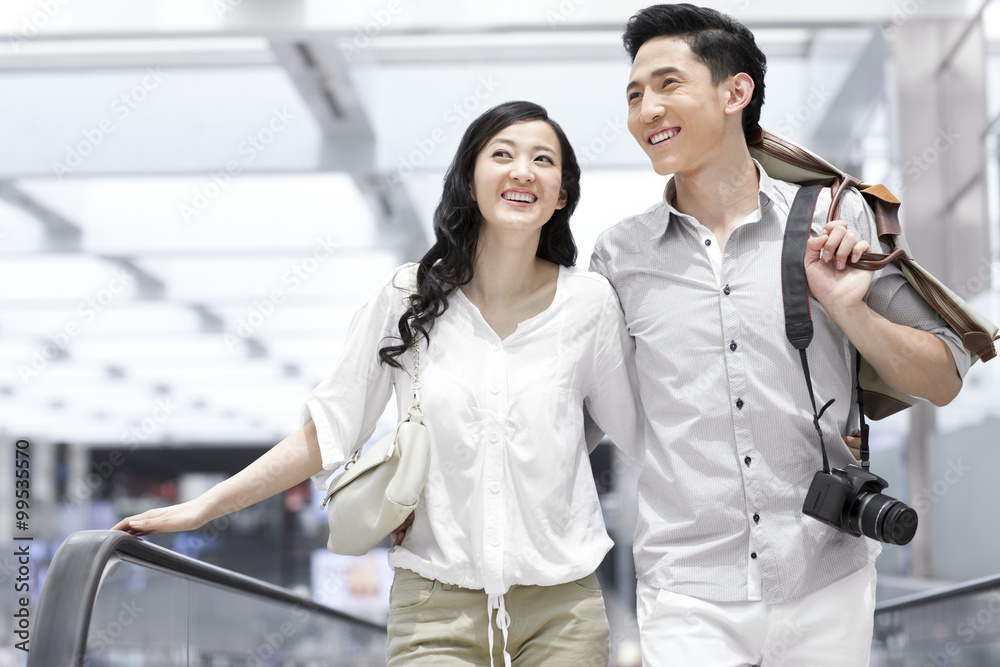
x: 562, y: 199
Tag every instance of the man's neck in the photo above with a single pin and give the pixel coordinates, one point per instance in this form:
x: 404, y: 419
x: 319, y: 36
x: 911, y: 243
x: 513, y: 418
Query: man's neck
x: 719, y: 195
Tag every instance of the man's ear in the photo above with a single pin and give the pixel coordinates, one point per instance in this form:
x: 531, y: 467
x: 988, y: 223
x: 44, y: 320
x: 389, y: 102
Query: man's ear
x: 739, y: 90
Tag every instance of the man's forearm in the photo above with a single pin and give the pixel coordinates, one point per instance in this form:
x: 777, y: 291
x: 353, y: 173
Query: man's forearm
x: 909, y: 360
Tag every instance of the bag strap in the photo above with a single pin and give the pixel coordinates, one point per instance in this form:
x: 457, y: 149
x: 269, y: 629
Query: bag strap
x: 795, y: 292
x: 415, y: 412
x: 786, y: 160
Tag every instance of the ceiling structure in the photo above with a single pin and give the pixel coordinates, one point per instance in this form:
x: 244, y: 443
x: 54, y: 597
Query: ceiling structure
x: 196, y: 196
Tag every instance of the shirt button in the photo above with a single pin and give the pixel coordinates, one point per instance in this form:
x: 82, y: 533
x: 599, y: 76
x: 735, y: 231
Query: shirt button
x: 495, y: 389
x: 496, y: 347
x: 753, y: 555
x: 747, y: 460
x: 725, y: 290
x: 496, y: 542
x: 739, y: 403
x: 494, y: 437
x: 708, y: 241
x: 732, y: 345
x: 756, y: 518
x: 494, y: 487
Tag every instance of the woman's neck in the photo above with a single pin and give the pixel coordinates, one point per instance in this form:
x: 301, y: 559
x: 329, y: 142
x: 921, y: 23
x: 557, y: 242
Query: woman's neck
x: 507, y: 269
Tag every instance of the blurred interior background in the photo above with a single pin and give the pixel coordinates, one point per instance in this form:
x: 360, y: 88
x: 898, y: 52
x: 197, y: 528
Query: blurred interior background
x: 196, y: 196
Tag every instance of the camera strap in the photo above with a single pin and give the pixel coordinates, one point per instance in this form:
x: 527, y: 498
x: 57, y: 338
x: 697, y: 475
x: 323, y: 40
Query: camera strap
x: 795, y: 292
x: 861, y: 410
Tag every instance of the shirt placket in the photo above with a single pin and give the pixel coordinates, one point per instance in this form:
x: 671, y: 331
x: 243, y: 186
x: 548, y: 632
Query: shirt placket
x: 741, y: 402
x: 494, y: 488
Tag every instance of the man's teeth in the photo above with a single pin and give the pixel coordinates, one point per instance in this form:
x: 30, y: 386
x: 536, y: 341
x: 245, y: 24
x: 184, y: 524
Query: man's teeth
x: 519, y: 196
x: 662, y: 136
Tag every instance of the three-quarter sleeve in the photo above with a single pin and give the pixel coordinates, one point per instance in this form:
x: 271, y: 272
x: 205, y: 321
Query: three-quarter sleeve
x: 613, y: 400
x: 346, y: 406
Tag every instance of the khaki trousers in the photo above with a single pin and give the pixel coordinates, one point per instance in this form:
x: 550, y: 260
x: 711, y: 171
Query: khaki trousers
x: 441, y: 625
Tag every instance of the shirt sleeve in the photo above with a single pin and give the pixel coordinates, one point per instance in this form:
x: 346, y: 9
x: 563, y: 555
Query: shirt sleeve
x: 346, y: 406
x: 613, y: 400
x: 890, y: 295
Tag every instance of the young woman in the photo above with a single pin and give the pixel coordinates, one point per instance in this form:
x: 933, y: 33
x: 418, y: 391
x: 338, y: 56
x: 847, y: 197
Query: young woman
x: 513, y: 341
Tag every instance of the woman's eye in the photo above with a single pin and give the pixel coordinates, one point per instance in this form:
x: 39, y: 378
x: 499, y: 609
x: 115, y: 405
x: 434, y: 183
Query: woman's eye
x: 546, y: 158
x: 501, y: 153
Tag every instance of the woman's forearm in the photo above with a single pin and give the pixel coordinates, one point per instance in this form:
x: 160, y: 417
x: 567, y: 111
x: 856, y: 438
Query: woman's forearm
x: 294, y: 459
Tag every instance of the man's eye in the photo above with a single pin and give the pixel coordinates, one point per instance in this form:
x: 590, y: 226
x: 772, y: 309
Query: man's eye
x: 634, y: 96
x: 668, y: 82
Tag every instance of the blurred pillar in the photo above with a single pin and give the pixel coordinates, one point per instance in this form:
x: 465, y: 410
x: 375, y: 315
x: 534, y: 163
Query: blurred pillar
x: 940, y: 90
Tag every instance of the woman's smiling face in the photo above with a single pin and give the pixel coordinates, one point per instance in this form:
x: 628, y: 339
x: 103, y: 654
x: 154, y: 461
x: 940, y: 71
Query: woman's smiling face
x: 517, y: 179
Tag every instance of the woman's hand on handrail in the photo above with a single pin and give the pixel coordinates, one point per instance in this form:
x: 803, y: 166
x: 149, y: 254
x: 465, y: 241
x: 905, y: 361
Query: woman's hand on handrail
x: 294, y: 459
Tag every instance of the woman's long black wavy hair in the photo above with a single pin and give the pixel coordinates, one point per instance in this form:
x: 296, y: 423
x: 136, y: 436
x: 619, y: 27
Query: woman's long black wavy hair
x: 457, y: 220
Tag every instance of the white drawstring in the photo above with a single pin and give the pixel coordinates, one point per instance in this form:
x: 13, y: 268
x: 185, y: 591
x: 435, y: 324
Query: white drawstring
x: 503, y: 622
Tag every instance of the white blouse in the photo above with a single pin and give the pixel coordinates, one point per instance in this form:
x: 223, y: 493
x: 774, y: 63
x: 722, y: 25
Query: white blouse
x: 510, y: 497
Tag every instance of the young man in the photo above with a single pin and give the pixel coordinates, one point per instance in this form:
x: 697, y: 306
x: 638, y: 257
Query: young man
x: 730, y: 570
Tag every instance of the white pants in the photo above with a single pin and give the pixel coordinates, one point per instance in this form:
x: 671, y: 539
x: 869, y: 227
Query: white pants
x: 832, y: 626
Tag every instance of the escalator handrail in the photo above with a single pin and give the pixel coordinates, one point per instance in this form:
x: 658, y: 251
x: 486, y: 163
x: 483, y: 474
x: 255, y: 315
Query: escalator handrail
x: 918, y: 599
x: 74, y: 578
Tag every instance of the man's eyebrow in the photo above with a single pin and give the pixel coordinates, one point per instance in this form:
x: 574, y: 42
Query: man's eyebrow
x: 669, y: 69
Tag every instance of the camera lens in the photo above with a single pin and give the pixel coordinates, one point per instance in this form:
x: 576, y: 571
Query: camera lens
x: 883, y: 518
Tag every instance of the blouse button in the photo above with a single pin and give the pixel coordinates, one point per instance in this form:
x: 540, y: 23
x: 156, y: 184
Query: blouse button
x: 495, y: 541
x: 494, y: 487
x: 494, y: 437
x: 495, y: 389
x: 496, y: 347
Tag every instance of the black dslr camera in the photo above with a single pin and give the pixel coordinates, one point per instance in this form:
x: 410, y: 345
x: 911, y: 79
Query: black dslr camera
x: 851, y: 500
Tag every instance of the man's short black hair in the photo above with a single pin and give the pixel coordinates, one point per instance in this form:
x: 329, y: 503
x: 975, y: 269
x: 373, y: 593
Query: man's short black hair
x: 718, y: 41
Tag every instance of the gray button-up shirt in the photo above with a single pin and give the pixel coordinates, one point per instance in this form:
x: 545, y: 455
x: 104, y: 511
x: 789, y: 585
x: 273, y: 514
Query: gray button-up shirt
x: 729, y: 433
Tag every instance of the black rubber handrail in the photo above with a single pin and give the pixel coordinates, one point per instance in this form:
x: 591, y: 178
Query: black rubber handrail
x: 61, y: 623
x: 920, y: 599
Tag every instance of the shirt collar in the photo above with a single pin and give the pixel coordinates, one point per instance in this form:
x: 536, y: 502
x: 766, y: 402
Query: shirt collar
x: 766, y: 191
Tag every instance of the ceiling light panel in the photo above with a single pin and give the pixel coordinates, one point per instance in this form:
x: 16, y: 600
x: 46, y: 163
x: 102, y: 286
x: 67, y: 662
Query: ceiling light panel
x: 319, y: 275
x: 86, y: 285
x: 155, y: 119
x: 192, y: 215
